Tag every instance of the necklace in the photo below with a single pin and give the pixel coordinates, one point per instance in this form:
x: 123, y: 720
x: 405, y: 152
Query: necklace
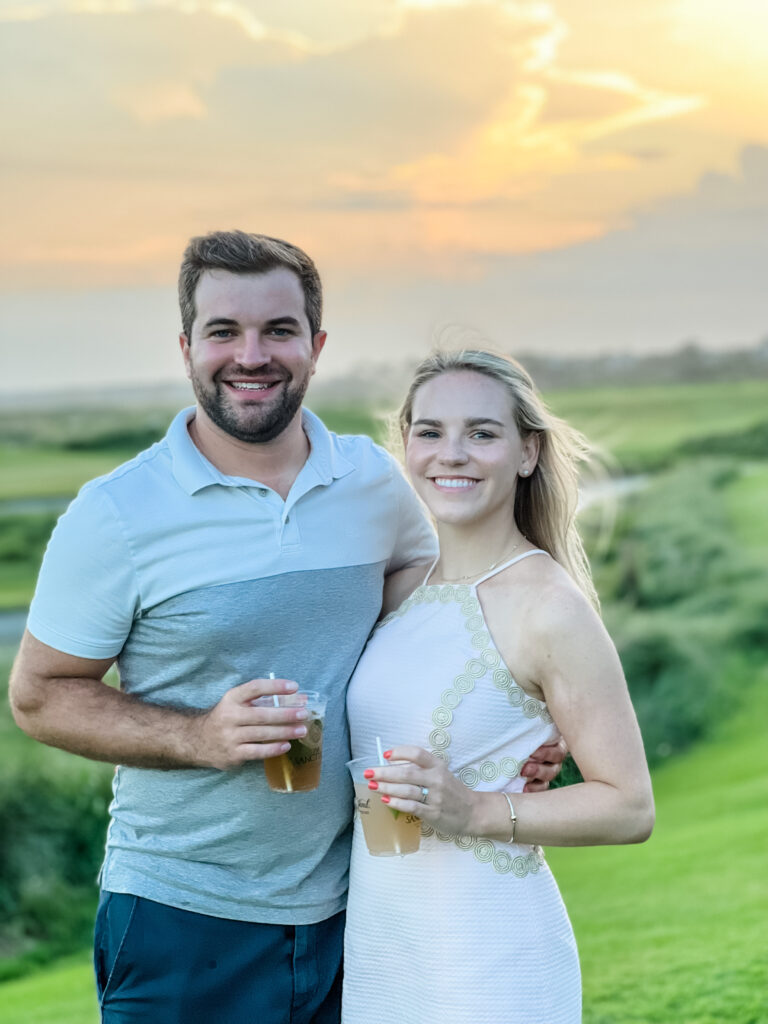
x: 472, y: 575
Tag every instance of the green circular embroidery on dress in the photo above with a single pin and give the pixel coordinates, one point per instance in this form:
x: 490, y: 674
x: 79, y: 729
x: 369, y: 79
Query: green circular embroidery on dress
x: 450, y: 699
x: 480, y: 640
x: 464, y: 684
x: 490, y: 658
x: 489, y: 771
x: 531, y: 708
x: 439, y: 739
x: 510, y: 767
x: 475, y: 668
x: 426, y: 830
x: 502, y: 679
x: 442, y: 716
x: 475, y: 622
x: 446, y: 593
x: 502, y: 862
x: 535, y: 860
x: 469, y: 776
x: 520, y: 866
x: 463, y: 591
x: 516, y: 696
x: 441, y: 754
x: 445, y: 837
x: 470, y: 606
x: 430, y: 595
x: 484, y: 851
x: 465, y: 842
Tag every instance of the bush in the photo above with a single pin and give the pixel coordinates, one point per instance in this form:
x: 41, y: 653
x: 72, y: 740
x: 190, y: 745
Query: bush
x: 52, y: 831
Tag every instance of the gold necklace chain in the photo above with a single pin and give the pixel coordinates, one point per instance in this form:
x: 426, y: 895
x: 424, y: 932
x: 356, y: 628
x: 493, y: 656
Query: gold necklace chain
x: 472, y: 575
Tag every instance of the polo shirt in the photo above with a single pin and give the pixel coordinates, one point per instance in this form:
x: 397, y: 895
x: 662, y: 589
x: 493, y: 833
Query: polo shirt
x: 196, y: 582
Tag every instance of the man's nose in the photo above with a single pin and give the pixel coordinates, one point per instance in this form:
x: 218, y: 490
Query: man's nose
x: 252, y: 350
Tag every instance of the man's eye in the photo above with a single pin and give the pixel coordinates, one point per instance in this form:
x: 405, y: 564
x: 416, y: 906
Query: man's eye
x: 223, y: 332
x: 280, y: 332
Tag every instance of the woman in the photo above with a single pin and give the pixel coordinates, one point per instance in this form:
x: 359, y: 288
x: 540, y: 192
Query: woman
x: 489, y: 654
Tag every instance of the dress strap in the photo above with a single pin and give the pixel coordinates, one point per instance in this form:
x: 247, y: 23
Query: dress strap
x: 506, y: 565
x: 430, y: 570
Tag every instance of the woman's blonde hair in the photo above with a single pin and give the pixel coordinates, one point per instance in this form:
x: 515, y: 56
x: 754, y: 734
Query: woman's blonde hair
x: 545, y: 501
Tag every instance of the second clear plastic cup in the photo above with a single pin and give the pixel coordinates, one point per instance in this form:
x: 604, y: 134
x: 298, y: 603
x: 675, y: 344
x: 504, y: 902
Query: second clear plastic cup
x: 388, y: 833
x: 298, y: 770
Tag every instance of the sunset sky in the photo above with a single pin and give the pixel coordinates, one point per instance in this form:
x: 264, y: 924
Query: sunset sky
x: 581, y: 175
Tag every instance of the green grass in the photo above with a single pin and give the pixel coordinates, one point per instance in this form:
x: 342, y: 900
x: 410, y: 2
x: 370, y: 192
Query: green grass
x: 747, y: 503
x: 63, y: 994
x: 51, y: 472
x: 642, y: 426
x: 673, y: 932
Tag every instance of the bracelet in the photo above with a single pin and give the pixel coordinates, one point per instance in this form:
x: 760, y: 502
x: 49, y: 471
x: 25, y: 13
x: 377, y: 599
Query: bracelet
x: 512, y: 817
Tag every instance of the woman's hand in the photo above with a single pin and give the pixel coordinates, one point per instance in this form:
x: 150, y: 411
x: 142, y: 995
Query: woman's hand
x: 425, y: 787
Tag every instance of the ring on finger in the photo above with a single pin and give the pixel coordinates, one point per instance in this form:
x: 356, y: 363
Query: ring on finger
x: 424, y: 794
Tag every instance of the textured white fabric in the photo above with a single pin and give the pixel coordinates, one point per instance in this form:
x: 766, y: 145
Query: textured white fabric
x: 465, y: 931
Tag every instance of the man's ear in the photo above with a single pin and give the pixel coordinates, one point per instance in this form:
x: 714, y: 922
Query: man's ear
x: 184, y: 346
x: 318, y: 343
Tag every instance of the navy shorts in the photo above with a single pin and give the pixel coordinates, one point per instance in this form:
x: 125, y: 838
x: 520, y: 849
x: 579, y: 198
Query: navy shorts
x: 159, y: 965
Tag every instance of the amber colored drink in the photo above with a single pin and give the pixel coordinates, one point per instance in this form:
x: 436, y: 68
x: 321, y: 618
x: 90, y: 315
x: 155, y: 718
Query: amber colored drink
x: 387, y: 832
x: 298, y: 770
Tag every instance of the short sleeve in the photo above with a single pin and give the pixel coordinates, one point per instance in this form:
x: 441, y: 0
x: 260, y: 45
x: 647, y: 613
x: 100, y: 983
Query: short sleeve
x: 415, y: 541
x: 87, y: 592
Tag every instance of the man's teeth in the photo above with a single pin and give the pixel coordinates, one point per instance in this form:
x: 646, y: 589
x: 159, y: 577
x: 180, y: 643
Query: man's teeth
x: 240, y: 385
x: 453, y: 482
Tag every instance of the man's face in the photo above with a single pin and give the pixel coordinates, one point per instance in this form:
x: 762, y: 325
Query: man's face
x: 250, y: 355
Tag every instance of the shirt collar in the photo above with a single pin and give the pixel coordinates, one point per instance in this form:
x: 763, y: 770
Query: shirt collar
x: 193, y: 471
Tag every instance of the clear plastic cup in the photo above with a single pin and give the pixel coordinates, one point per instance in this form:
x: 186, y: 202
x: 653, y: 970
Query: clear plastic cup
x: 388, y: 832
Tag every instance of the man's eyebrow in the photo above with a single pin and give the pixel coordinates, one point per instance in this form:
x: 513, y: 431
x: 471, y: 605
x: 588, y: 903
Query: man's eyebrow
x: 220, y: 321
x: 283, y: 320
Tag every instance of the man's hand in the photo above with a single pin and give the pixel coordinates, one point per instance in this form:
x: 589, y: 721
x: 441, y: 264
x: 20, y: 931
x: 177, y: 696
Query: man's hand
x: 61, y: 700
x: 544, y: 765
x: 234, y: 732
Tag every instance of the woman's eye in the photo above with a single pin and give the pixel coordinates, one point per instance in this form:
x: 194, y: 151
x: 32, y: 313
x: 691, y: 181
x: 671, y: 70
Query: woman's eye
x: 427, y: 433
x: 482, y: 435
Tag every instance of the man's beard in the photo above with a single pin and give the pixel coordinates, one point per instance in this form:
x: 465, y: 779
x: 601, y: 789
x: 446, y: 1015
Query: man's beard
x: 253, y: 424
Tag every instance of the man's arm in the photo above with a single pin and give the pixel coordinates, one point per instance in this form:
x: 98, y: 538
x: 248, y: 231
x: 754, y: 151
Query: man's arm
x: 61, y: 700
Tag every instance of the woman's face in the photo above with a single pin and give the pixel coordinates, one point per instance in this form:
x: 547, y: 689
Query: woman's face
x: 463, y: 451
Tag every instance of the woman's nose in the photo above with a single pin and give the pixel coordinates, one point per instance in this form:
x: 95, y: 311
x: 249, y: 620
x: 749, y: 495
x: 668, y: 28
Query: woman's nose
x: 452, y: 453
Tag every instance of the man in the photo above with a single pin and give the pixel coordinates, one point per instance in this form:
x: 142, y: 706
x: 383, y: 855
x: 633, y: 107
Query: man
x: 248, y: 542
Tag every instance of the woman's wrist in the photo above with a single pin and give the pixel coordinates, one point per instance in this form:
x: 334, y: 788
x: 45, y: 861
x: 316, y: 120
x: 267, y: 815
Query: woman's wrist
x: 492, y: 817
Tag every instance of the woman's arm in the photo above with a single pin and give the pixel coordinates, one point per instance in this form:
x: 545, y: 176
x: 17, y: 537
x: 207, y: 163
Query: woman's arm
x: 400, y: 585
x: 577, y: 668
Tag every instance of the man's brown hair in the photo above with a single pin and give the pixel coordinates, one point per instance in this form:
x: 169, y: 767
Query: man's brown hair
x: 243, y: 253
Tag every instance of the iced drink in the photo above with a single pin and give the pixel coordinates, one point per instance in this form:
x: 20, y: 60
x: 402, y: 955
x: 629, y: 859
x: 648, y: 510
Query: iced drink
x: 387, y: 831
x: 298, y: 770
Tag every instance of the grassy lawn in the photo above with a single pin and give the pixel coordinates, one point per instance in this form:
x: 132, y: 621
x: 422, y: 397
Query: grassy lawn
x: 639, y: 426
x: 673, y: 932
x: 51, y: 472
x: 747, y: 503
x: 62, y: 994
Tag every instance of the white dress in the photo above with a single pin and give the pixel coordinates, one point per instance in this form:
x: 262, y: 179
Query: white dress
x: 466, y: 930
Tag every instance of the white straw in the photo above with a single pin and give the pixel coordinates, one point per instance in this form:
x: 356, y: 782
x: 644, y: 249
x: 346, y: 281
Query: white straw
x: 283, y: 765
x: 380, y: 750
